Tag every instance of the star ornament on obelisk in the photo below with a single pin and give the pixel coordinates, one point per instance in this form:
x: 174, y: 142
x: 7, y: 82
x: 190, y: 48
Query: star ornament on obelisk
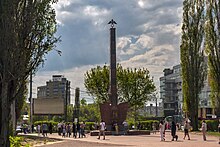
x: 112, y: 22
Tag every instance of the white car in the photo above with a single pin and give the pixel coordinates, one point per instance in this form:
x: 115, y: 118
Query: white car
x: 18, y: 129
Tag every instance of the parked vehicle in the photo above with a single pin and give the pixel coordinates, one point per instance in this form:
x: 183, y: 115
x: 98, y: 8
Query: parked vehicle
x: 18, y: 129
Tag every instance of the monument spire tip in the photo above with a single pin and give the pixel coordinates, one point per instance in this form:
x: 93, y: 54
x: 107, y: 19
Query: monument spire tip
x: 112, y: 22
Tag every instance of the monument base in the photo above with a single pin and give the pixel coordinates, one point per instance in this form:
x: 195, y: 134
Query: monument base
x: 107, y: 116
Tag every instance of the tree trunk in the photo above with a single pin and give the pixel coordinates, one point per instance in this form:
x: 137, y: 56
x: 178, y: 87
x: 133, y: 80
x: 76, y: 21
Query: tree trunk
x: 5, y: 109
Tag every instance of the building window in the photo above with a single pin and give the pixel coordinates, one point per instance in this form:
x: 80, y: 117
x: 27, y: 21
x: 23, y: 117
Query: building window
x: 208, y: 110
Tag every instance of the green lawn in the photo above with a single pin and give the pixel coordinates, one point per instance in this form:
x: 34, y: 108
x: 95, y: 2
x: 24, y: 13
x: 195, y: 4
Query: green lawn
x: 214, y: 133
x: 28, y: 140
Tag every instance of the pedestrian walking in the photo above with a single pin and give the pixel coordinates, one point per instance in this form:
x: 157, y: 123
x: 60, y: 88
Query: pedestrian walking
x: 68, y: 130
x: 186, y: 130
x: 173, y: 131
x: 78, y: 128
x: 102, y: 129
x: 161, y: 129
x: 74, y: 130
x: 38, y: 129
x: 125, y: 127
x: 154, y: 127
x: 204, y: 129
x: 139, y: 126
x: 64, y: 130
x: 116, y: 128
x: 32, y: 128
x: 59, y: 126
x: 50, y: 128
x: 82, y: 127
x: 219, y: 131
x: 44, y: 129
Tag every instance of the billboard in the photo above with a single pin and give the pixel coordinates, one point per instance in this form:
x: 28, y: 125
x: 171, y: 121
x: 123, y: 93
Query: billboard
x: 48, y: 106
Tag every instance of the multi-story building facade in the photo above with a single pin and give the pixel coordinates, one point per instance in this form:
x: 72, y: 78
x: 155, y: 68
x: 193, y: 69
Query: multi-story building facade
x: 58, y: 87
x: 170, y: 91
x: 172, y: 97
x: 152, y: 110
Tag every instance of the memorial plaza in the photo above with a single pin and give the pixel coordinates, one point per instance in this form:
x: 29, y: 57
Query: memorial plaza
x: 152, y: 140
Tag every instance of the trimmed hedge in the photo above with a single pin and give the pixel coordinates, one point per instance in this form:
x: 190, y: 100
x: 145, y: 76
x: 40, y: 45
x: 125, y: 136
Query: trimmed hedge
x: 90, y: 125
x: 45, y: 122
x: 144, y: 125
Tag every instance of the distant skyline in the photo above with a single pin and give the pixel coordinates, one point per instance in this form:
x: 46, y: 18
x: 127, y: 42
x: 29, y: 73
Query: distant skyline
x: 148, y: 35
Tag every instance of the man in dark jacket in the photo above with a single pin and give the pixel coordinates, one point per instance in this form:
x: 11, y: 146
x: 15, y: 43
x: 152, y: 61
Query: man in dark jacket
x: 74, y: 130
x: 78, y: 128
x: 173, y: 131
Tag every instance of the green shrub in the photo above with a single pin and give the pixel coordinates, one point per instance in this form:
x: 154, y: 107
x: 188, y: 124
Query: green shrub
x: 144, y: 125
x: 15, y: 141
x: 147, y: 125
x: 212, y: 125
x: 90, y: 125
x: 45, y: 122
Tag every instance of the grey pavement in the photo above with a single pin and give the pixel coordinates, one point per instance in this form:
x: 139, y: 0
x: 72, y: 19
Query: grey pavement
x: 152, y: 140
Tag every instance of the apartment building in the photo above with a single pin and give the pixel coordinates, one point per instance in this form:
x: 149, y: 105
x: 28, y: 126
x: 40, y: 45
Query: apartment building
x: 172, y: 97
x: 58, y: 87
x: 170, y: 91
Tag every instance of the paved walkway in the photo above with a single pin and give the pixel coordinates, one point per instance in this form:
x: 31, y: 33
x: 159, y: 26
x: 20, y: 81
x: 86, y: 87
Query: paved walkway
x: 152, y: 140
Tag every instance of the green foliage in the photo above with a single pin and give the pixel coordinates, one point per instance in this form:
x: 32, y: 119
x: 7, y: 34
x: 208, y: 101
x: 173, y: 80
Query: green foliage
x: 214, y: 134
x: 27, y: 31
x: 20, y: 101
x: 70, y: 110
x: 15, y: 141
x: 39, y: 118
x: 212, y: 45
x: 134, y: 85
x: 45, y: 122
x: 192, y: 57
x: 89, y: 112
x: 90, y: 125
x: 144, y: 125
x: 147, y: 125
x: 96, y: 82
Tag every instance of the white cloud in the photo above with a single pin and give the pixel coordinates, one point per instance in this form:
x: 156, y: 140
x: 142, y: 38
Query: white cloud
x: 95, y: 11
x: 127, y: 47
x: 148, y: 35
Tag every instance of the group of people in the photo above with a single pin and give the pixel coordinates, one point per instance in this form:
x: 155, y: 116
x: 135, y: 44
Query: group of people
x: 65, y: 129
x: 44, y: 129
x: 174, y: 127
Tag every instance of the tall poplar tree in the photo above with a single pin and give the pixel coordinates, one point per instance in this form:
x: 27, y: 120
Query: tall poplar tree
x: 27, y: 30
x: 192, y: 57
x: 213, y: 50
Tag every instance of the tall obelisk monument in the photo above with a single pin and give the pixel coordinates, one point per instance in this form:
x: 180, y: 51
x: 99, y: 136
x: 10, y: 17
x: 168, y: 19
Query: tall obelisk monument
x: 113, y: 84
x: 110, y: 110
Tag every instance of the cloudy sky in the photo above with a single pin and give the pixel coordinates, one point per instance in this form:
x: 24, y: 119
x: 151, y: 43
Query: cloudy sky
x: 148, y: 35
